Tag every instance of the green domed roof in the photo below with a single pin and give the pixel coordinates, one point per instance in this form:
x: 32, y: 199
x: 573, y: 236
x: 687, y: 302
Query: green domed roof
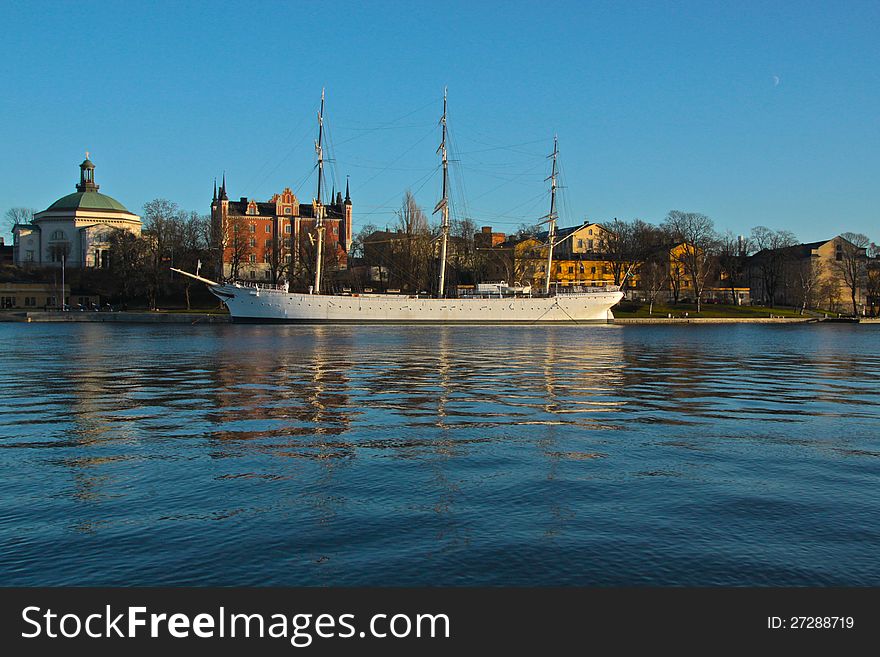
x: 87, y: 201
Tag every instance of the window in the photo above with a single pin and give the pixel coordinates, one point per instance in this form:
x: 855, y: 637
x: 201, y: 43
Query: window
x: 253, y: 273
x: 253, y: 242
x: 590, y: 243
x: 590, y: 231
x: 266, y: 275
x: 287, y: 229
x: 288, y: 210
x: 266, y: 258
x: 571, y: 270
x: 30, y: 301
x: 253, y: 228
x: 252, y: 258
x: 50, y: 301
x: 580, y: 244
x: 28, y: 256
x: 268, y: 243
x: 58, y: 235
x: 268, y: 228
x: 288, y: 241
x: 582, y: 269
x: 288, y: 258
x: 7, y: 302
x: 592, y: 270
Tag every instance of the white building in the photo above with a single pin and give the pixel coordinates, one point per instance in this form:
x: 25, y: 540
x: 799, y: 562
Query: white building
x: 76, y: 228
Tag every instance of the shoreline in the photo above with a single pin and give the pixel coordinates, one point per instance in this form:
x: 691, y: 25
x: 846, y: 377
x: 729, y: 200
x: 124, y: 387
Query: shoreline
x: 121, y: 317
x: 133, y: 317
x: 719, y: 320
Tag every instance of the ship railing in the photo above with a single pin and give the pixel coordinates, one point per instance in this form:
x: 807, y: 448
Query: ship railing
x: 261, y: 286
x: 586, y: 289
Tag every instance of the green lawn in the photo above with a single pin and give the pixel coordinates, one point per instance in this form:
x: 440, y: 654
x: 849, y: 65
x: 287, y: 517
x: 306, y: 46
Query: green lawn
x: 637, y: 309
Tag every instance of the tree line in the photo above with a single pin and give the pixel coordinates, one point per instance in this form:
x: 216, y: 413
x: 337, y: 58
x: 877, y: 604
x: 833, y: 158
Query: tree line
x: 684, y: 251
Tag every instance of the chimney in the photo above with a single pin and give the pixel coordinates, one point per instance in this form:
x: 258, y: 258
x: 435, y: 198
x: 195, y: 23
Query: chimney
x: 487, y: 230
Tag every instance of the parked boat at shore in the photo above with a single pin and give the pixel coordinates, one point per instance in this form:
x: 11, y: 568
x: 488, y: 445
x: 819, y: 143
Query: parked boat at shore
x: 498, y: 303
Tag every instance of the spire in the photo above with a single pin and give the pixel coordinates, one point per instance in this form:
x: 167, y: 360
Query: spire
x: 347, y: 197
x: 215, y: 189
x: 223, y: 196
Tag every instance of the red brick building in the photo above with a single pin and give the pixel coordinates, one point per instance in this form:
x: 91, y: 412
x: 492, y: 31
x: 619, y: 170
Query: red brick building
x: 275, y: 241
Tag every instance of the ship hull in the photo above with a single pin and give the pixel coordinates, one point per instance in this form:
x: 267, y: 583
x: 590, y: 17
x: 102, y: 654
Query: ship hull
x: 253, y: 305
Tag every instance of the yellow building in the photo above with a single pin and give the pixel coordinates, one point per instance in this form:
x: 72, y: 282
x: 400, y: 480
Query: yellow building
x: 32, y: 296
x: 576, y: 258
x: 810, y: 274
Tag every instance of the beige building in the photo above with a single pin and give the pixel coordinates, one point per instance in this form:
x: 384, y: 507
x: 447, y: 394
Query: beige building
x: 32, y: 296
x: 809, y: 274
x: 75, y: 229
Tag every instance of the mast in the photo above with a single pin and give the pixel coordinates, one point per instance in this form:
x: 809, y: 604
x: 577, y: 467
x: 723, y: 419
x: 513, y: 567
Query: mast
x: 319, y: 208
x: 551, y: 218
x: 443, y: 204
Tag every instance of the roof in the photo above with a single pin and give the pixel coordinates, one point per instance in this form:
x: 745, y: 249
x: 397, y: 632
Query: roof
x: 266, y: 210
x: 88, y: 201
x: 798, y: 251
x: 562, y: 233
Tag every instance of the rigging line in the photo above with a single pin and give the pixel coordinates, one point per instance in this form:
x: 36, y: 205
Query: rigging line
x: 424, y: 178
x: 266, y: 162
x: 533, y: 200
x: 280, y: 162
x: 461, y: 187
x: 332, y: 160
x: 566, y: 197
x: 511, y: 148
x: 390, y: 123
x: 399, y: 157
x: 364, y: 166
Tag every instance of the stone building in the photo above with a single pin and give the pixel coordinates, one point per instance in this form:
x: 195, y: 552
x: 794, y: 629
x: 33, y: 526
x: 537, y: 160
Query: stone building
x: 74, y: 229
x: 274, y: 240
x: 809, y: 275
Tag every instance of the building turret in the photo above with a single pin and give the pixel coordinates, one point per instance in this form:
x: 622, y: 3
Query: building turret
x: 87, y: 176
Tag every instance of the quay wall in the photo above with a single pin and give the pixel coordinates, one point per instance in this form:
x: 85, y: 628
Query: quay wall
x: 121, y: 317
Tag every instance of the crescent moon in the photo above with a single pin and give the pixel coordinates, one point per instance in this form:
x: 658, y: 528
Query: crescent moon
x: 775, y: 80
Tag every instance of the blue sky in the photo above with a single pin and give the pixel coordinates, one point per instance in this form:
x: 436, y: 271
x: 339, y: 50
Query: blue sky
x: 750, y: 112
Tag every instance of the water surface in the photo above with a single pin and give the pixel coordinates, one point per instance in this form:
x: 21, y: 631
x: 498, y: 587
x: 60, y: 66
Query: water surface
x: 278, y: 455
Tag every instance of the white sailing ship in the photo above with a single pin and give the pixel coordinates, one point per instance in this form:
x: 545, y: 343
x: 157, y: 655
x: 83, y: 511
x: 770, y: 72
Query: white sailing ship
x: 498, y: 303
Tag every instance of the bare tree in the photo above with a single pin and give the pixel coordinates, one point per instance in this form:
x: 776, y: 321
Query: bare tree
x: 190, y: 248
x: 412, y: 249
x: 127, y: 253
x: 733, y: 254
x: 161, y: 226
x: 696, y: 233
x: 654, y: 276
x: 19, y: 216
x: 872, y: 278
x: 806, y: 277
x: 617, y: 245
x: 357, y: 242
x: 773, y: 254
x: 850, y: 261
x: 463, y: 261
x: 236, y: 244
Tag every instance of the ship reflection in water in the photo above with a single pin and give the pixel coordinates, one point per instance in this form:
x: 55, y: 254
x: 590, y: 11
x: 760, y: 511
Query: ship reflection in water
x: 348, y: 455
